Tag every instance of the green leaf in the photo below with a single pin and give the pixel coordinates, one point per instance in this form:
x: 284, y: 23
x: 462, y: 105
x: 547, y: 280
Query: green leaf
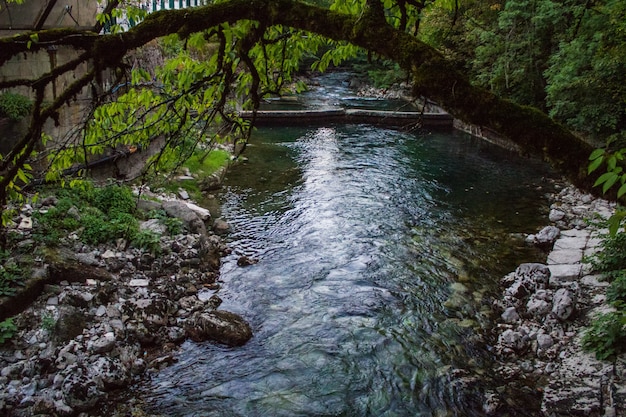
x: 603, y: 178
x: 595, y: 164
x: 621, y: 191
x: 611, y: 162
x: 615, y: 221
x: 609, y: 182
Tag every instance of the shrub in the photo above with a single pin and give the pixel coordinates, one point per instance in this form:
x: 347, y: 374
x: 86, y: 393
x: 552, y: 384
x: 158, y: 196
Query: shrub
x: 14, y: 106
x: 11, y: 275
x: 106, y: 214
x: 607, y: 335
x: 174, y: 225
x: 114, y: 199
x: 47, y: 322
x: 616, y: 293
x: 99, y: 228
x: 147, y: 240
x: 612, y: 257
x: 7, y: 330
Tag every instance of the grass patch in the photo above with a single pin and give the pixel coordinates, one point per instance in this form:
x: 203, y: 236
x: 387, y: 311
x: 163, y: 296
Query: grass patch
x: 202, y: 165
x: 98, y: 215
x: 207, y: 163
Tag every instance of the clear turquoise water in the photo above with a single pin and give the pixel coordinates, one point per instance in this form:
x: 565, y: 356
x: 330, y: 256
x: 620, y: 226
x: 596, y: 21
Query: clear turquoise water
x: 378, y: 253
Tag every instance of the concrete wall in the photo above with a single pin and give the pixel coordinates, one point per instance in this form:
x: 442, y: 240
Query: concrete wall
x: 46, y: 14
x: 32, y: 65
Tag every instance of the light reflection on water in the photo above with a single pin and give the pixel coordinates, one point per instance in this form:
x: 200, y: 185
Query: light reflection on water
x: 375, y: 251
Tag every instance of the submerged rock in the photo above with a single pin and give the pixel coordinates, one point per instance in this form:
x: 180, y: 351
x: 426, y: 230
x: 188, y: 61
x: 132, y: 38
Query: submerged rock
x: 219, y: 326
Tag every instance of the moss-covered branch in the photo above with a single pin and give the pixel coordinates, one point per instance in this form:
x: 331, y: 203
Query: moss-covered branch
x: 432, y: 75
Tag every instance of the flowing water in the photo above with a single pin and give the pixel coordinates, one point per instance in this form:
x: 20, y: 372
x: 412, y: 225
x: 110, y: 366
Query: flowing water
x: 378, y: 253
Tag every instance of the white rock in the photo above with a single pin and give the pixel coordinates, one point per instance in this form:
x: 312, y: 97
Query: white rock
x: 564, y: 273
x: 183, y: 194
x: 564, y: 304
x: 101, y: 311
x: 556, y: 215
x: 104, y: 344
x: 544, y: 341
x: 201, y: 212
x: 108, y: 254
x: 565, y: 256
x: 26, y: 223
x: 510, y: 315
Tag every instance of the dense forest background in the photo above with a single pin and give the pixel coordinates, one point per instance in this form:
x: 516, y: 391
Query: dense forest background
x: 567, y: 58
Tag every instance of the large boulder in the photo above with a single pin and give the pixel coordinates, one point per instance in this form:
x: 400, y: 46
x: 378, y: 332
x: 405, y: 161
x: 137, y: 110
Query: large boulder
x: 80, y: 391
x: 535, y: 276
x: 218, y: 326
x: 546, y: 237
x: 109, y: 373
x: 189, y: 217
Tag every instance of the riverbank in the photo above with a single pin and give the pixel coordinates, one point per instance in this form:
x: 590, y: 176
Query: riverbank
x: 544, y: 311
x: 138, y: 307
x: 108, y: 314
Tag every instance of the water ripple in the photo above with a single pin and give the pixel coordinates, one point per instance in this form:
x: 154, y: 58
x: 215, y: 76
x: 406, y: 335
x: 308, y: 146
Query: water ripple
x: 365, y: 300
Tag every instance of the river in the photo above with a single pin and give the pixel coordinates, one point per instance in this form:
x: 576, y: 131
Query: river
x: 378, y: 254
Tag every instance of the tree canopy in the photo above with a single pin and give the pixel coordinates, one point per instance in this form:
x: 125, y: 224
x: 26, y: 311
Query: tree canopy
x: 233, y: 53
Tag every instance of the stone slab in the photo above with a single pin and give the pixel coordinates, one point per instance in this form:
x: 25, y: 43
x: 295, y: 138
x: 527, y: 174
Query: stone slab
x: 565, y: 256
x: 570, y: 242
x: 576, y: 233
x: 564, y: 273
x: 593, y: 281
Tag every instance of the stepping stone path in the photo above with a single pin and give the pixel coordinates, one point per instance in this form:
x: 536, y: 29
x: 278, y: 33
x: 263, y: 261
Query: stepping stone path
x: 565, y: 260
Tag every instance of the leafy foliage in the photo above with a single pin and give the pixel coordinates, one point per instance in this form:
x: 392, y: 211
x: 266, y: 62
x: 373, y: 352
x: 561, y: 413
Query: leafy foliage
x: 11, y: 275
x: 614, y: 176
x: 173, y: 224
x: 8, y: 329
x: 616, y: 293
x: 47, y: 321
x: 588, y: 72
x: 148, y: 240
x: 607, y: 335
x: 612, y: 255
x: 14, y: 106
x: 97, y: 215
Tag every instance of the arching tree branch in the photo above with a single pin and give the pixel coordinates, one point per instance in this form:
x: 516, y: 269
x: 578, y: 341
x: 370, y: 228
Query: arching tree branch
x: 432, y: 75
